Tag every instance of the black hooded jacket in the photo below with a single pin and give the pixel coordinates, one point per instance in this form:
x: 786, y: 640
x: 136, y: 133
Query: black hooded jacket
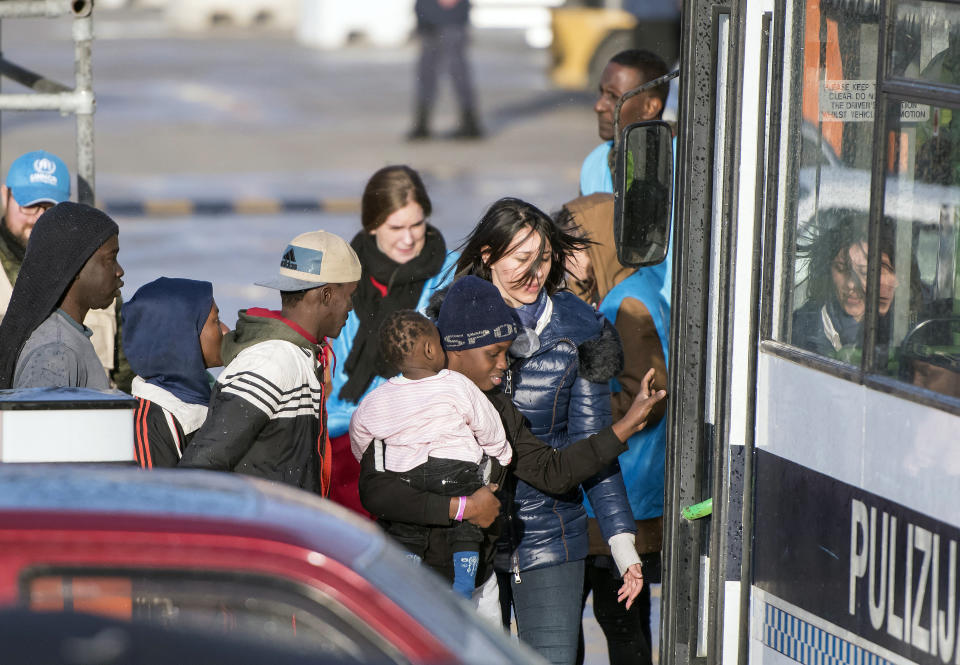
x: 62, y: 241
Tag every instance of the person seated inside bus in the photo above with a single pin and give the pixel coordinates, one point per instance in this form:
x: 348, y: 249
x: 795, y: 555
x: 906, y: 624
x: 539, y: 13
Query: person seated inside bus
x: 830, y: 322
x: 930, y: 356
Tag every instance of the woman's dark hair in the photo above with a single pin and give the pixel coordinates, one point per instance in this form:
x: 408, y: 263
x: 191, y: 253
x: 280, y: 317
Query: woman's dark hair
x: 567, y: 222
x: 388, y: 190
x: 495, y: 235
x: 844, y: 230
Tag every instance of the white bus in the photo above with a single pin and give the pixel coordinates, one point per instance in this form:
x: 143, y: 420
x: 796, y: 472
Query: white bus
x: 815, y: 350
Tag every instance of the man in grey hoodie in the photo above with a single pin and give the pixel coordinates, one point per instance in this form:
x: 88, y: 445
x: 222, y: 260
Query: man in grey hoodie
x: 70, y: 267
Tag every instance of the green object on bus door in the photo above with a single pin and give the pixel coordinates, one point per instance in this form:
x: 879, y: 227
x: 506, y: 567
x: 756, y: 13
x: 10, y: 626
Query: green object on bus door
x: 698, y: 510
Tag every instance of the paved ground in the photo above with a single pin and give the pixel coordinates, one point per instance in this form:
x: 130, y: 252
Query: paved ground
x: 229, y: 115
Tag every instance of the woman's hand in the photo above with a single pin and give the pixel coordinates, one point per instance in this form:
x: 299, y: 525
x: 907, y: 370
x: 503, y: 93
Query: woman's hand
x: 632, y: 585
x: 482, y: 506
x: 635, y: 419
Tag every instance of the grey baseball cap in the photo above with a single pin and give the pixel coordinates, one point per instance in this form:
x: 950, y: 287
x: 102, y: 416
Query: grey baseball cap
x: 313, y: 259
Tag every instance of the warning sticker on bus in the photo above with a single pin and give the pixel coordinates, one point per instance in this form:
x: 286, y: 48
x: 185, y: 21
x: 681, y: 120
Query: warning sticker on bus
x: 852, y: 100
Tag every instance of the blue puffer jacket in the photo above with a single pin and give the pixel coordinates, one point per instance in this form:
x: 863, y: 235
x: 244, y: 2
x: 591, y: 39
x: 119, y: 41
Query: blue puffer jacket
x: 563, y: 391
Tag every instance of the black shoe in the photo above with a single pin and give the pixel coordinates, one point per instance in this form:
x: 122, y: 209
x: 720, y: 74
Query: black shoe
x: 469, y: 128
x: 418, y: 133
x: 421, y: 125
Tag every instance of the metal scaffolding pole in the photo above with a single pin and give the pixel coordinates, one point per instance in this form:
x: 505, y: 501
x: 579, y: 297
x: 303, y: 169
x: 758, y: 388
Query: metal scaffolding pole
x: 50, y: 95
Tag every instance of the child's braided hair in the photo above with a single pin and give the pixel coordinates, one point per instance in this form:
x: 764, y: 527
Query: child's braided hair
x: 399, y: 334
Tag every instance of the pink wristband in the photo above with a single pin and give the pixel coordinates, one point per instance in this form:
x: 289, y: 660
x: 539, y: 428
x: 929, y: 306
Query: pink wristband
x: 463, y: 504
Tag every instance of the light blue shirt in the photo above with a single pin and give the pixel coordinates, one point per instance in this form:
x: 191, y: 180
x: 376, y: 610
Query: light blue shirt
x: 595, y: 177
x: 595, y: 172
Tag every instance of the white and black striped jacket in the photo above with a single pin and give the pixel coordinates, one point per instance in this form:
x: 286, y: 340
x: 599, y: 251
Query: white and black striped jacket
x: 267, y: 418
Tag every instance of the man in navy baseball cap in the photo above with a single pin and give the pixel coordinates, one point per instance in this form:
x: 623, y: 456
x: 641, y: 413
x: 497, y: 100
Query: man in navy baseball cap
x: 36, y: 181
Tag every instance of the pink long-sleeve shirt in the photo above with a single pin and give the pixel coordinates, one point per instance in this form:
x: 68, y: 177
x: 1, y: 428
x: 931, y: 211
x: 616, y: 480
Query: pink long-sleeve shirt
x: 444, y: 416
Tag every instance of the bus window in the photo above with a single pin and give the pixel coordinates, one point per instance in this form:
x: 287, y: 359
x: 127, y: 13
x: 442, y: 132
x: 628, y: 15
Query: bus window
x: 926, y: 44
x: 918, y: 324
x: 825, y: 245
x: 268, y: 609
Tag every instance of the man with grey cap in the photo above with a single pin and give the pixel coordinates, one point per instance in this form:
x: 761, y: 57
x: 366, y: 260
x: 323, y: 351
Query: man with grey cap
x: 267, y: 416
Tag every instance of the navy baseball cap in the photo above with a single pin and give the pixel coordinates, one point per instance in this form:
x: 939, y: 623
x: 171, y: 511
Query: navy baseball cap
x: 38, y: 177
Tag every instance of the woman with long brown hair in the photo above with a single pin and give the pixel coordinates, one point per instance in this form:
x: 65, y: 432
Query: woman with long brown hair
x: 405, y: 260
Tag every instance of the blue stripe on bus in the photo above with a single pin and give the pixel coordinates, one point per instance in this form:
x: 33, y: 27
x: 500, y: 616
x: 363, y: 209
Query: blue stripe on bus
x: 805, y: 643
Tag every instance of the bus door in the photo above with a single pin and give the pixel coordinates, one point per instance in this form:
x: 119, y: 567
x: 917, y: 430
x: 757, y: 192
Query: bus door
x: 815, y: 366
x: 729, y: 104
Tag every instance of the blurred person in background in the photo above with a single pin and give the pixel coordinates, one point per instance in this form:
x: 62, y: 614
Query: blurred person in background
x: 442, y: 27
x: 37, y: 181
x: 173, y: 334
x: 404, y: 262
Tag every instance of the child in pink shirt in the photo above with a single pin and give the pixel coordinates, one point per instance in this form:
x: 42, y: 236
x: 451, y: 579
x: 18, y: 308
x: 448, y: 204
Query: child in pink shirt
x: 436, y: 427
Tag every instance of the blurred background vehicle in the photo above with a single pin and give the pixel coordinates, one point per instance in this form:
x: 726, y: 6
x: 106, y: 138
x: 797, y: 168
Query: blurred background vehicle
x: 587, y: 33
x: 228, y: 555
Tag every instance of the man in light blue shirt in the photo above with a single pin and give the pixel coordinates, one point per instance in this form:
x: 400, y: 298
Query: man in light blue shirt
x: 628, y: 633
x: 626, y: 71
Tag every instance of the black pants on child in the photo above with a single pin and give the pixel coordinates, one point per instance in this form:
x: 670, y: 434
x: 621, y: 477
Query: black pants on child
x: 447, y: 478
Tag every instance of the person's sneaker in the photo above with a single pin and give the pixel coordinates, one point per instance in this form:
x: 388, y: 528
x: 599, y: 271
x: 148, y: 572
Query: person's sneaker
x: 418, y: 133
x: 469, y: 128
x: 421, y: 125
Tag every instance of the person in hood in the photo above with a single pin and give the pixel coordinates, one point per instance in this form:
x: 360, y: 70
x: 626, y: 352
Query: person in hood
x: 36, y: 182
x: 267, y: 416
x: 70, y: 267
x: 635, y: 304
x: 173, y: 333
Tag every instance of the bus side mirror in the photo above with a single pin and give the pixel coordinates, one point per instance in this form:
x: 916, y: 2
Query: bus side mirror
x: 643, y: 193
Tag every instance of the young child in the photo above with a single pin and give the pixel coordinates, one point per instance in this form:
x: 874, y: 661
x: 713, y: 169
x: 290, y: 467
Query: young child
x: 436, y: 426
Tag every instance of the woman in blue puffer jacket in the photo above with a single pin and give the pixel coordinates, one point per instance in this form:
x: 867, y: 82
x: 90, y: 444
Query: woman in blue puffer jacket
x: 559, y: 379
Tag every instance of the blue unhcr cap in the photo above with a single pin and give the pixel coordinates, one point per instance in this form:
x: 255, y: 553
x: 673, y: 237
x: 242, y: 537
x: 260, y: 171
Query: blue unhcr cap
x: 38, y: 177
x: 314, y: 259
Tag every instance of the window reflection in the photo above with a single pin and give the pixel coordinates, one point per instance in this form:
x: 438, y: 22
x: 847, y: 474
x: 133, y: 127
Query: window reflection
x: 833, y: 181
x: 930, y: 356
x: 923, y: 201
x: 830, y: 322
x: 264, y: 609
x: 926, y: 42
